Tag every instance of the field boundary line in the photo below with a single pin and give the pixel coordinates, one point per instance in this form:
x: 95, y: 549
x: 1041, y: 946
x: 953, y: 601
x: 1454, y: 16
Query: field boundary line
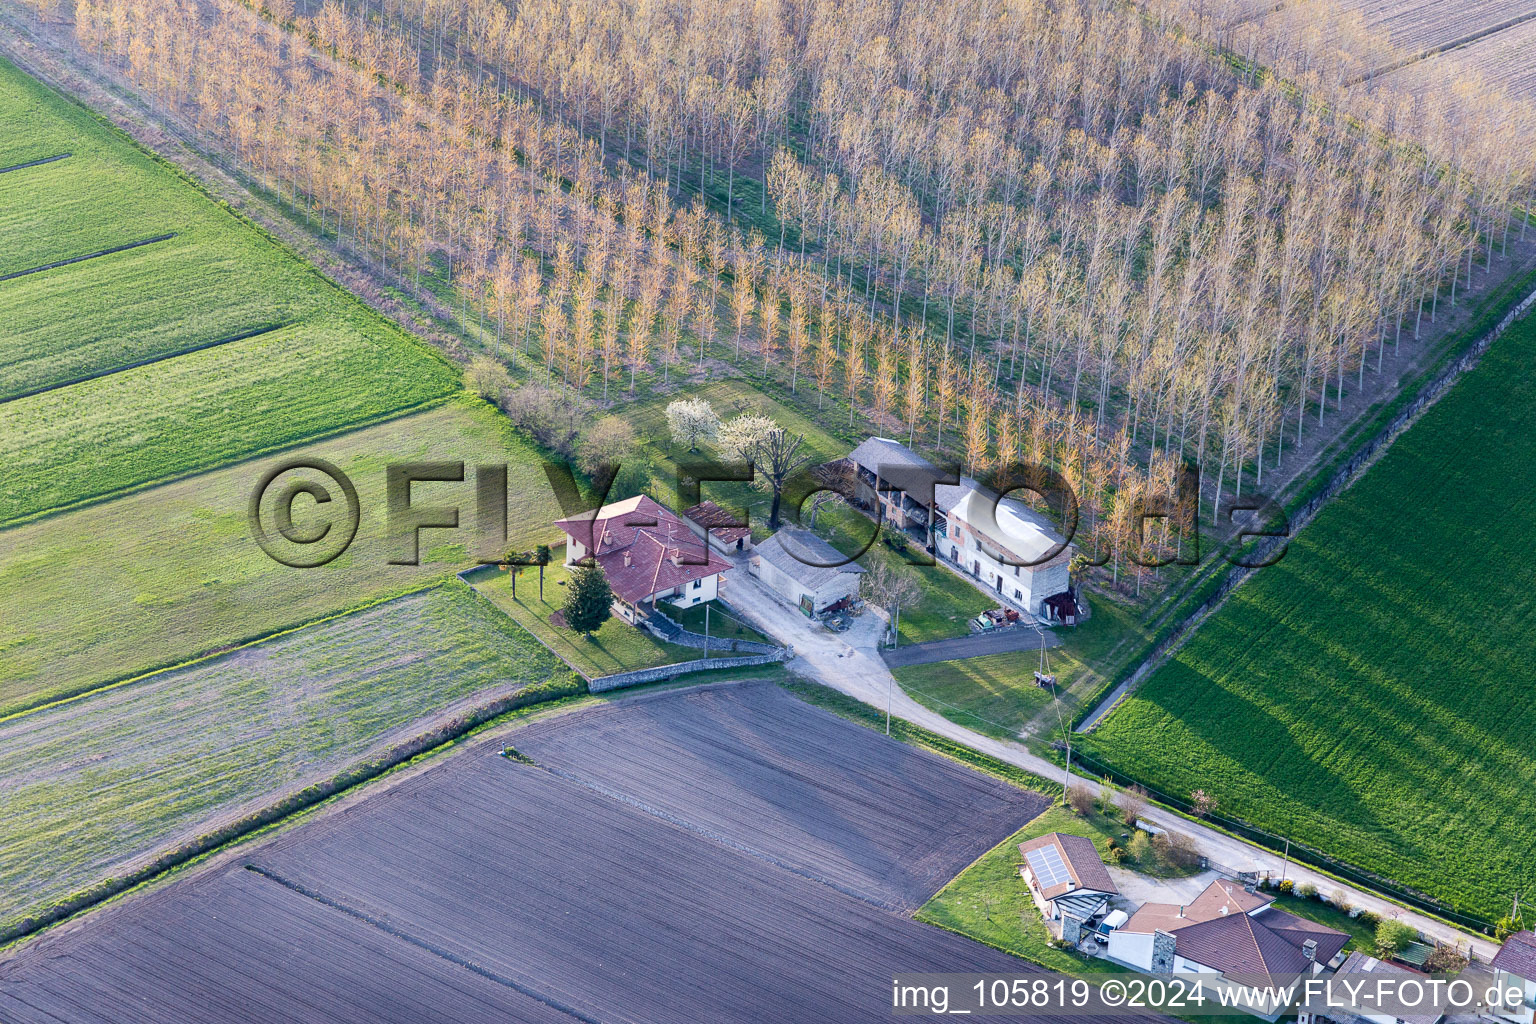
x: 422, y: 944
x: 285, y: 804
x: 213, y: 655
x: 202, y: 346
x: 35, y: 163
x: 88, y: 256
x: 463, y: 575
x: 1437, y: 50
x: 277, y: 449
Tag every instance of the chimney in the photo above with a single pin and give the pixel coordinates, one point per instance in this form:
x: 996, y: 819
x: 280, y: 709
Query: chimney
x: 626, y: 558
x: 1164, y: 946
x: 1309, y: 949
x: 1181, y: 910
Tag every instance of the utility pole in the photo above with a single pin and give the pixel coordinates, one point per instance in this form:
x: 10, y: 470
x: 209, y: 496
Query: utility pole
x: 1286, y: 861
x: 706, y: 629
x: 890, y: 685
x: 1066, y: 783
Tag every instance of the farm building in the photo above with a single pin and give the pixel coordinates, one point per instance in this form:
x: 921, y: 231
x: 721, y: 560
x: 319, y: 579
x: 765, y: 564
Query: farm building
x: 1068, y: 882
x: 1514, y: 966
x: 711, y: 521
x: 1006, y: 546
x: 1357, y: 966
x: 1228, y: 930
x: 648, y: 554
x: 892, y: 478
x: 806, y: 571
x: 1002, y: 544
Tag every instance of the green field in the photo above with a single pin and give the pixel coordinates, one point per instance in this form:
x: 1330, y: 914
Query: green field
x: 109, y: 590
x: 721, y: 625
x: 137, y: 769
x: 203, y: 410
x: 1371, y: 694
x: 615, y: 647
x: 997, y: 695
x: 325, y: 363
x: 217, y: 278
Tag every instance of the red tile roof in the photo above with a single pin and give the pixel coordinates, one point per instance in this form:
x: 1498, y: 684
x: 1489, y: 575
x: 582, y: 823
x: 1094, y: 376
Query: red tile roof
x: 717, y: 522
x: 614, y: 525
x: 1518, y: 955
x: 1237, y: 941
x: 1222, y: 893
x: 643, y: 548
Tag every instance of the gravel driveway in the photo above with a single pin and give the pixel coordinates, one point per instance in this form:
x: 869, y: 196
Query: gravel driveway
x: 850, y: 662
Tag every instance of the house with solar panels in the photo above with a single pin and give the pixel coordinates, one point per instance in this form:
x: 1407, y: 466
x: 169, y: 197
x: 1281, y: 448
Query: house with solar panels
x: 1068, y: 882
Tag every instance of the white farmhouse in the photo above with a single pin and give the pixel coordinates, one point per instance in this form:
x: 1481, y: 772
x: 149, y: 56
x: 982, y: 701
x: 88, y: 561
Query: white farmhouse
x: 806, y: 571
x: 1514, y: 966
x: 1006, y: 546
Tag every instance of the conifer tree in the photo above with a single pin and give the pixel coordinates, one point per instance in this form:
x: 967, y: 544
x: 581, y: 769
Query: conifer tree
x: 588, y: 600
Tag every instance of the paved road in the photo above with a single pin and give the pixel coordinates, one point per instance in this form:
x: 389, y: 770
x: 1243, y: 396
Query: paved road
x: 997, y: 641
x: 850, y: 662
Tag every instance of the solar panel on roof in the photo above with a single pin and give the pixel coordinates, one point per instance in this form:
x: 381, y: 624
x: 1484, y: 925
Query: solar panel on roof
x: 1047, y: 866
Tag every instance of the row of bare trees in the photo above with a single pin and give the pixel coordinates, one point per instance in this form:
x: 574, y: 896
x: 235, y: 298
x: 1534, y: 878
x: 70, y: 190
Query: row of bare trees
x: 1171, y: 261
x: 1074, y: 167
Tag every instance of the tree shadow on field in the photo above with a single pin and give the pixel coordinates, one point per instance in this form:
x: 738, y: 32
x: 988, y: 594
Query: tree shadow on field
x: 1241, y: 737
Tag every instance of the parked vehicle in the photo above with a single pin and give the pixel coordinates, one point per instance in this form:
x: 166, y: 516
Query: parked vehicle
x: 1113, y: 920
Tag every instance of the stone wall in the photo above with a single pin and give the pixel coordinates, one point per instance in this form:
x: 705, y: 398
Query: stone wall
x: 653, y: 675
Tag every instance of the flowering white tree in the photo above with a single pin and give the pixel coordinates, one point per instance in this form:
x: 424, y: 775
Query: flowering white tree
x: 774, y: 452
x: 690, y: 420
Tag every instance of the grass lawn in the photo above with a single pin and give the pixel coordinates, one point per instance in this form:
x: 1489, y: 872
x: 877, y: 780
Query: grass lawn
x: 136, y: 769
x: 615, y: 647
x: 730, y: 398
x: 1362, y: 933
x: 1370, y: 695
x: 110, y: 590
x: 946, y: 603
x: 989, y: 901
x: 726, y: 627
x: 995, y: 694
